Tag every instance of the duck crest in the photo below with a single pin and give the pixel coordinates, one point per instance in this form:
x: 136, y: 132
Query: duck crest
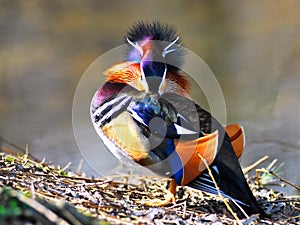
x: 160, y: 37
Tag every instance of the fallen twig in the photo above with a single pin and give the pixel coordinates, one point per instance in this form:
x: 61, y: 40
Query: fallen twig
x: 218, y: 190
x: 252, y: 166
x: 280, y: 178
x: 116, y: 200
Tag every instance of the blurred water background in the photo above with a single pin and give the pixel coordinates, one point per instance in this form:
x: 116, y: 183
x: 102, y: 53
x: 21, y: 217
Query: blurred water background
x: 252, y: 47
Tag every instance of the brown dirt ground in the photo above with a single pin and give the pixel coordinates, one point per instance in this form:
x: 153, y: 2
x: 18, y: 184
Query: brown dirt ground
x: 33, y: 192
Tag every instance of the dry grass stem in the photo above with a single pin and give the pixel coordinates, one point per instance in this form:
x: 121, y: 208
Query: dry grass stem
x: 115, y: 199
x: 277, y: 176
x: 252, y: 166
x: 218, y: 189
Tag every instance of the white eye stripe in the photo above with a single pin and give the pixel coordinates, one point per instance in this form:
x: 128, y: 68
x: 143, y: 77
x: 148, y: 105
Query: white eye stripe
x: 136, y: 46
x: 164, y: 53
x: 172, y: 43
x: 166, y: 49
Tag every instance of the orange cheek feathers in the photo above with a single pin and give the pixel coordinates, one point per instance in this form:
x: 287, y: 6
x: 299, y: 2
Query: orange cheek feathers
x: 124, y: 72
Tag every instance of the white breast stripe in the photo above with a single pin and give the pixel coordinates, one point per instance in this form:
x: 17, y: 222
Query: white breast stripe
x: 113, y: 110
x: 105, y: 105
x: 136, y: 116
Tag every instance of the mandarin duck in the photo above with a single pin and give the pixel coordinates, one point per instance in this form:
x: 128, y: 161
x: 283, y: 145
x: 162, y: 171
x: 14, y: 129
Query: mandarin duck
x: 144, y: 115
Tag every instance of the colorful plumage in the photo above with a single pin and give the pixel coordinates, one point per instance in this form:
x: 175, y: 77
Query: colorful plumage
x: 144, y: 116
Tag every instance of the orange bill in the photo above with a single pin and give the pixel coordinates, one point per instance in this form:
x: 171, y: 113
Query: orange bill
x: 188, y: 152
x: 236, y: 135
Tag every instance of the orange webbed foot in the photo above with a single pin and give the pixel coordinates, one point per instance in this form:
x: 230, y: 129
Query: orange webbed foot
x: 169, y: 197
